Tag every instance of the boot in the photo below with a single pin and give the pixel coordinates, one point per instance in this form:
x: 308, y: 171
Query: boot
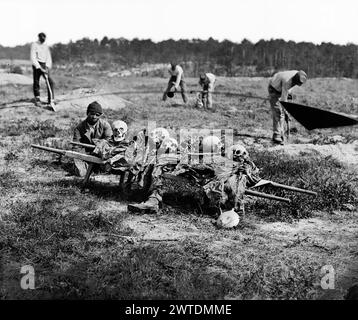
x: 277, y: 139
x: 80, y: 168
x: 240, y: 209
x: 37, y: 102
x: 151, y: 205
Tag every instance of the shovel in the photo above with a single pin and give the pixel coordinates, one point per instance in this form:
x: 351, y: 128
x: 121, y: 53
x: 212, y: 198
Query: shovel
x: 51, y: 104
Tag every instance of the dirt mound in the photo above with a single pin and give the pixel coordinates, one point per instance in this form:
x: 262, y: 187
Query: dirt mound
x: 345, y: 153
x: 81, y: 98
x: 13, y: 78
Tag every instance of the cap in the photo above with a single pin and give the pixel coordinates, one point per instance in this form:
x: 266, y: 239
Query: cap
x: 302, y: 76
x: 94, y: 107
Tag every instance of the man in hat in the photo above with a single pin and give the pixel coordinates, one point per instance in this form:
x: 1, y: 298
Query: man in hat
x: 176, y: 80
x: 41, y: 65
x: 280, y: 87
x: 93, y: 127
x: 207, y: 81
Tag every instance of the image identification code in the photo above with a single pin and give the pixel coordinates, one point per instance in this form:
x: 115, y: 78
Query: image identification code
x: 180, y: 309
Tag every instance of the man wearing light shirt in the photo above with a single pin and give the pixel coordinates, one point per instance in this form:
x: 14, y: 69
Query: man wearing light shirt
x: 207, y: 82
x: 280, y: 87
x: 176, y: 80
x: 41, y: 65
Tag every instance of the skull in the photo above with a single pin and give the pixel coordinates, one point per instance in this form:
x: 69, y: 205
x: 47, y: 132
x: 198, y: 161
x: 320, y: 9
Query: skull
x: 159, y: 134
x: 170, y: 145
x: 228, y: 219
x: 237, y: 152
x: 211, y: 144
x: 120, y: 129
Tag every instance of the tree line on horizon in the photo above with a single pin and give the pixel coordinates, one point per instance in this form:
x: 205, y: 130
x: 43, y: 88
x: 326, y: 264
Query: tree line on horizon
x: 224, y: 58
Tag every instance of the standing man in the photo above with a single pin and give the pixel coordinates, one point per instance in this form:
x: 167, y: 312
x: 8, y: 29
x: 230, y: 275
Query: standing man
x: 280, y: 87
x: 91, y: 128
x: 176, y: 80
x: 207, y: 82
x: 41, y: 65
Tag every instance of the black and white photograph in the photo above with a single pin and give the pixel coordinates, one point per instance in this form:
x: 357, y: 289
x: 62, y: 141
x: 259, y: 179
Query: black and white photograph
x: 201, y: 153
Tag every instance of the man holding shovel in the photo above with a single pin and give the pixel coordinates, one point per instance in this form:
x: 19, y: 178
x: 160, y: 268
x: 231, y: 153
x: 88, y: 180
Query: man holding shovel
x: 41, y: 65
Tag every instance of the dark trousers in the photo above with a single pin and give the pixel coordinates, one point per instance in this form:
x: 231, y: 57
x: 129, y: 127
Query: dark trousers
x: 37, y: 73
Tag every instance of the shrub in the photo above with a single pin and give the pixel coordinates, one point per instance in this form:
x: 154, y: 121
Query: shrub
x: 16, y: 69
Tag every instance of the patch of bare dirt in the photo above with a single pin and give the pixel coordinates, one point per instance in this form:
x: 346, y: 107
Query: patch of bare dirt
x: 76, y: 100
x: 162, y: 228
x: 81, y: 98
x: 13, y: 78
x: 345, y: 153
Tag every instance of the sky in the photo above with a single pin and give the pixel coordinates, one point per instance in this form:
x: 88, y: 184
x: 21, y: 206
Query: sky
x: 314, y: 21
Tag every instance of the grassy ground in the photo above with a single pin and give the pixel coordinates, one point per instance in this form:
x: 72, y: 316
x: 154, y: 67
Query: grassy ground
x: 87, y: 246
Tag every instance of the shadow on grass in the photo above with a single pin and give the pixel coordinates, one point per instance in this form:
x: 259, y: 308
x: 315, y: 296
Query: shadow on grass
x: 93, y: 189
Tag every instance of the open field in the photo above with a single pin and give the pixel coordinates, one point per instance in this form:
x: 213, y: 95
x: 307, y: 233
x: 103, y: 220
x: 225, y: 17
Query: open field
x: 87, y: 246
